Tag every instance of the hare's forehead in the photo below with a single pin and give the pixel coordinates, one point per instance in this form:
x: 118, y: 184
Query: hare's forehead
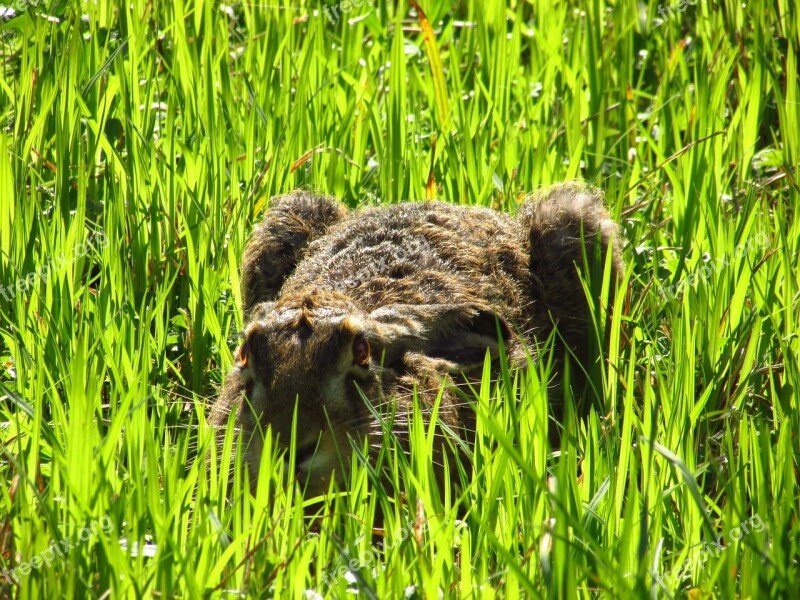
x: 320, y: 320
x: 333, y: 314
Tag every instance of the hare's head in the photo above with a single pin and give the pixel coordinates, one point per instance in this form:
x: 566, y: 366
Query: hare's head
x: 319, y: 355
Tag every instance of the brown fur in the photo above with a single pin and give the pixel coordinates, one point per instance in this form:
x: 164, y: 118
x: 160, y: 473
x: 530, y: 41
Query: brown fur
x: 427, y: 285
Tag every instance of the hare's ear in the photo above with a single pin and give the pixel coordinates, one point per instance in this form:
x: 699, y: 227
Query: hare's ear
x: 459, y: 333
x: 279, y: 242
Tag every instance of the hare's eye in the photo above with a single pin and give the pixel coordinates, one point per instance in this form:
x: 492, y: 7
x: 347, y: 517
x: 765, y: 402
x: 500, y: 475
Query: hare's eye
x: 243, y: 355
x: 361, y: 351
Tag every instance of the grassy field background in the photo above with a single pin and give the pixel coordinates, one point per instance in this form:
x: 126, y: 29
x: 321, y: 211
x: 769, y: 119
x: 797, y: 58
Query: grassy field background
x: 141, y: 140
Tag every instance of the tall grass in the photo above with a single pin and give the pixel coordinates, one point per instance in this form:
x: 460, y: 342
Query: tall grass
x: 141, y: 141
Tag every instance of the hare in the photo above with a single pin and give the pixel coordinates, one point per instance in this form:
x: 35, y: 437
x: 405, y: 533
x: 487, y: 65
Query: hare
x: 382, y: 303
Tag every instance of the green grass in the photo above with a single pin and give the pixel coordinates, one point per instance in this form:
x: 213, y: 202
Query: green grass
x: 156, y: 132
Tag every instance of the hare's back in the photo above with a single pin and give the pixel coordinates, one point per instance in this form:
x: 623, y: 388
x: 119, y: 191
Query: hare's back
x: 419, y: 253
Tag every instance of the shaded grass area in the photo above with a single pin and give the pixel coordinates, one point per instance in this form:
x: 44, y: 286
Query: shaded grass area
x: 140, y: 142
